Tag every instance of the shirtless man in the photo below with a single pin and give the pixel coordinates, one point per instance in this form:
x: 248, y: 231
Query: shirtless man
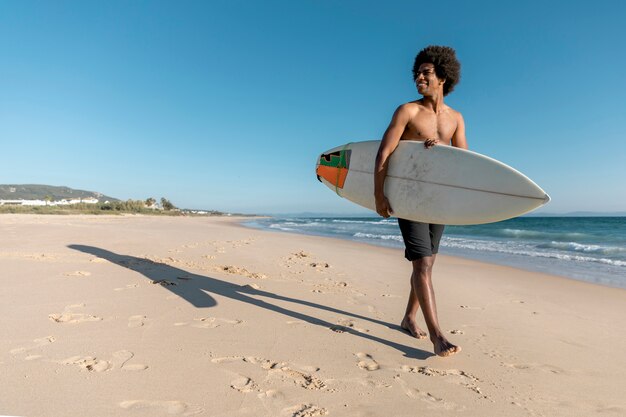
x: 436, y: 71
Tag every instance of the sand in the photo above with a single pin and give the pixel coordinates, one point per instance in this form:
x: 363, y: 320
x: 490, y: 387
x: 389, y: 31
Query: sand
x: 158, y: 316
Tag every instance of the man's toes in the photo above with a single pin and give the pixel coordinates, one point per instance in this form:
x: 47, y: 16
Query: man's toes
x: 447, y: 349
x: 452, y: 349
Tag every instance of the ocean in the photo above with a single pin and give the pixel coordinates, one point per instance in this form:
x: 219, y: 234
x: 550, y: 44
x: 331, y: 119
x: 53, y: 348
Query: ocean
x: 591, y: 249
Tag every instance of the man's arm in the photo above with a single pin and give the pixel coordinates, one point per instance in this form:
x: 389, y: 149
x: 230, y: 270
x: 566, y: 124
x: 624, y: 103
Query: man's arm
x: 390, y: 141
x: 458, y: 138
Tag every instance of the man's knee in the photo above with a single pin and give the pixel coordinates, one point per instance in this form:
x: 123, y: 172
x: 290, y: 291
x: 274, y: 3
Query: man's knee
x: 423, y: 266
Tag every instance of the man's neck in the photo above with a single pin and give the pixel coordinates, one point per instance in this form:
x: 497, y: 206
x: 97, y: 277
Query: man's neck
x: 434, y: 102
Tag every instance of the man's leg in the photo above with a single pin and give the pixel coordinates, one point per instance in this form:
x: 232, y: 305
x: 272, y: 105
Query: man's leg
x: 409, y: 322
x: 423, y: 288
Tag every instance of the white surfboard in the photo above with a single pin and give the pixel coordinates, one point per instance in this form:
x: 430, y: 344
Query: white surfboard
x: 441, y: 185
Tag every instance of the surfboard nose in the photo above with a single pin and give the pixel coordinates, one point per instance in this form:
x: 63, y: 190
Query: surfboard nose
x: 333, y: 166
x: 546, y: 199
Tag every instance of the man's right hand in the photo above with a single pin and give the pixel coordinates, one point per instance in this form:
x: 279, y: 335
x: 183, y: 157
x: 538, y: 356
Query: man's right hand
x: 383, y: 207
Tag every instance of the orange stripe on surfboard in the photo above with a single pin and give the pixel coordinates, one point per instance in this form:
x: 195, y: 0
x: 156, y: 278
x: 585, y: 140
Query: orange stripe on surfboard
x: 335, y: 176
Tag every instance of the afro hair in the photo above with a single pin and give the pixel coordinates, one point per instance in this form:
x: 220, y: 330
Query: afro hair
x: 445, y: 62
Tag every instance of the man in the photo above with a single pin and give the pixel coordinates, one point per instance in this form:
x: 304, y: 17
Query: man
x: 436, y: 71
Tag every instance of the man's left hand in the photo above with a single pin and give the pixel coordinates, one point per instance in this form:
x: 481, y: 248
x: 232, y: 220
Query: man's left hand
x: 429, y: 143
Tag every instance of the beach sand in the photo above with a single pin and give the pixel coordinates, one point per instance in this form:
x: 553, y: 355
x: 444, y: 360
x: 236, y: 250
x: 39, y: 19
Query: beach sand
x: 160, y: 316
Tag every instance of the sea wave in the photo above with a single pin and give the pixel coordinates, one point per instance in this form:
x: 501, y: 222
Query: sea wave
x: 378, y: 222
x: 526, y: 250
x: 522, y: 233
x: 579, y: 247
x: 377, y: 237
x: 301, y: 224
x: 282, y: 227
x: 489, y: 231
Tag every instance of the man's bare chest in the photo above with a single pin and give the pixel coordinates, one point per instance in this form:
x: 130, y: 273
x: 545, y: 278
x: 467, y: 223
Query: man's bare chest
x: 424, y: 127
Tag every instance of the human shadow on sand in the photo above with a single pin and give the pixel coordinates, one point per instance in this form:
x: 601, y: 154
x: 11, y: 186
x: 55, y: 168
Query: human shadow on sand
x: 197, y: 290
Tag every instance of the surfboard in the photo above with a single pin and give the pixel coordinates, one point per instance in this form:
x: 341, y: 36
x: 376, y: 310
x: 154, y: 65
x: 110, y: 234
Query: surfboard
x: 441, y: 185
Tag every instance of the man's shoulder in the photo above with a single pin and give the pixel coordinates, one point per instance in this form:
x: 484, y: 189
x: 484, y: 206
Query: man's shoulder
x: 454, y: 113
x: 412, y: 107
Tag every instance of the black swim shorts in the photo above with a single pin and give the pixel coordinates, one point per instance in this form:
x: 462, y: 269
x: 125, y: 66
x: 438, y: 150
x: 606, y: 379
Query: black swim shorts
x: 420, y: 239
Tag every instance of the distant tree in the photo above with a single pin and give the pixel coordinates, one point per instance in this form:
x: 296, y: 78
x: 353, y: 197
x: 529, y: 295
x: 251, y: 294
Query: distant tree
x: 47, y: 199
x: 166, y: 204
x: 150, y: 202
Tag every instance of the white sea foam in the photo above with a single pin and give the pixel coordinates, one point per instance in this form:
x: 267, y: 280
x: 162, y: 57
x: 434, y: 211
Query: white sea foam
x: 523, y: 249
x: 281, y: 227
x: 377, y: 237
x: 535, y: 234
x: 377, y: 222
x: 300, y: 224
x: 579, y: 247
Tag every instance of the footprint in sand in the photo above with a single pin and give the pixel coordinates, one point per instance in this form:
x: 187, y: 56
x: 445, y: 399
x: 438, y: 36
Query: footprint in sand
x: 212, y: 322
x: 244, y: 384
x: 227, y: 359
x: 427, y: 397
x: 346, y: 325
x: 367, y: 362
x: 320, y: 266
x: 304, y: 410
x: 136, y: 321
x: 127, y: 287
x: 37, y: 343
x: 69, y: 316
x: 273, y: 401
x: 301, y: 375
x: 302, y: 379
x: 164, y: 283
x: 358, y: 293
x: 535, y: 366
x: 299, y: 261
x: 455, y: 376
x: 237, y: 270
x: 124, y: 356
x: 271, y: 394
x: 93, y: 364
x: 78, y: 274
x: 169, y: 407
x: 493, y: 354
x: 88, y: 363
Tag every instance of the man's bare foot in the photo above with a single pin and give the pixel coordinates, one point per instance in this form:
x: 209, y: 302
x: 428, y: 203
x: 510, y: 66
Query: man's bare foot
x: 410, y: 326
x: 445, y: 348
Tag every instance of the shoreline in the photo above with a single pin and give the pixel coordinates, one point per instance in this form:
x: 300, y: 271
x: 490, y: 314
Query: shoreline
x: 155, y: 316
x: 501, y: 259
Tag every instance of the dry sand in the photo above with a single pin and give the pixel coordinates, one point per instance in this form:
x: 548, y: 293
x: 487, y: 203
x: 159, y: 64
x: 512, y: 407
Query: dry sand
x: 157, y: 316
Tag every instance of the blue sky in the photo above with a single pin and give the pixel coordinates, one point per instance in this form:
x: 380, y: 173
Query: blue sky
x: 226, y: 104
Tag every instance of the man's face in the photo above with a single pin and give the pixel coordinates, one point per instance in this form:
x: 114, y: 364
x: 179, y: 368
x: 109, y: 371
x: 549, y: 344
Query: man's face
x: 427, y: 81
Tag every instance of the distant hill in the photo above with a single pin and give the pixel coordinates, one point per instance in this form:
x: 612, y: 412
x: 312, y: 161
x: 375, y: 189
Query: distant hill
x: 40, y: 192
